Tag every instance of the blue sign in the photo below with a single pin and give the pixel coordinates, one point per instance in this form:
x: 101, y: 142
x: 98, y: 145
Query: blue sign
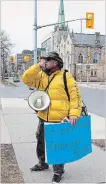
x: 66, y: 143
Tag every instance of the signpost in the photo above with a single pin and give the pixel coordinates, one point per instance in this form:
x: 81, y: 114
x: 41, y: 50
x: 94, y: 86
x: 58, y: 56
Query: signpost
x: 88, y: 72
x: 41, y: 49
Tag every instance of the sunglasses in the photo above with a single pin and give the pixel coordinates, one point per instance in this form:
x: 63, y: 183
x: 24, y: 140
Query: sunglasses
x: 51, y: 58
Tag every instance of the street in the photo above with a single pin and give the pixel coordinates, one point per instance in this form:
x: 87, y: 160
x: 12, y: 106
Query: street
x: 94, y: 98
x: 21, y: 91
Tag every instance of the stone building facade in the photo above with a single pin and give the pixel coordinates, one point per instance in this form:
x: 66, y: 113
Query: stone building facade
x: 83, y: 54
x: 85, y: 59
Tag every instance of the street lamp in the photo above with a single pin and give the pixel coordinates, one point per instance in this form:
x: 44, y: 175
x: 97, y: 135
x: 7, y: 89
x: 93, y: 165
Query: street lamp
x: 35, y: 36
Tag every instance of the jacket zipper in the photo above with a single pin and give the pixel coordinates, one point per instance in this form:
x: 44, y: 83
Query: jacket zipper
x: 48, y: 107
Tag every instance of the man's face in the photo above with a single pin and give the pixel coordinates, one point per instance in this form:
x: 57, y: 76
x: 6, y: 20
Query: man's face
x: 50, y: 64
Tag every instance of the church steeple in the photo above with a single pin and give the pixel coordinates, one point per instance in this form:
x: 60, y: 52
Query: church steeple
x: 61, y: 19
x: 61, y: 15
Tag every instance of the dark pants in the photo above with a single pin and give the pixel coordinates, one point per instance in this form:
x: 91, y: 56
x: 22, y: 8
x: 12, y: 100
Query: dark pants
x: 58, y: 168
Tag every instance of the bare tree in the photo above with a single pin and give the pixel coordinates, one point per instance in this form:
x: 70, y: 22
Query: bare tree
x: 5, y: 41
x: 5, y: 50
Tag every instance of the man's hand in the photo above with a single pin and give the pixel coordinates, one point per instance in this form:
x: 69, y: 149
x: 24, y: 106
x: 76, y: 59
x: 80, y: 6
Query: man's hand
x: 72, y: 120
x: 42, y: 63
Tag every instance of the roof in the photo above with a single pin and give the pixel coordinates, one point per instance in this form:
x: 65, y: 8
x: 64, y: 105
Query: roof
x: 47, y: 37
x: 87, y: 39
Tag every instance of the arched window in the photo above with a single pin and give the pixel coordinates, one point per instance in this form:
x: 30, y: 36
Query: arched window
x: 95, y: 73
x: 92, y: 73
x: 80, y: 58
x: 68, y: 61
x: 61, y: 55
x: 96, y: 57
x: 68, y: 58
x: 64, y: 47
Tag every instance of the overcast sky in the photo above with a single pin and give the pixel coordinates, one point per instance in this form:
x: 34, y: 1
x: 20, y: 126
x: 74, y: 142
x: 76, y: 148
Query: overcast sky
x: 17, y: 18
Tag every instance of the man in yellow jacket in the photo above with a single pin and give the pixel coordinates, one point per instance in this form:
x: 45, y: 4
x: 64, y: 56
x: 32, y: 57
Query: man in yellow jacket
x: 38, y: 76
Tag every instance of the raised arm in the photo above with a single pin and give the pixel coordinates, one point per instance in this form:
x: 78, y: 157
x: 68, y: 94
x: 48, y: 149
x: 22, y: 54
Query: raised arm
x: 32, y: 75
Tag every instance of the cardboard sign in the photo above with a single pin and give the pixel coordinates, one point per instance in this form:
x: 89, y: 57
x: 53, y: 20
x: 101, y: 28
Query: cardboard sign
x: 66, y: 143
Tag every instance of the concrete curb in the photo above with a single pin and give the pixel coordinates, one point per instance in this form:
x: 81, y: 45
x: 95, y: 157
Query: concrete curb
x: 7, y: 83
x: 97, y: 86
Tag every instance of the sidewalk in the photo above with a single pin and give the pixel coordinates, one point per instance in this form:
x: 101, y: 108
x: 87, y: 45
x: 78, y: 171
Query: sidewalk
x: 6, y: 82
x: 5, y: 137
x: 2, y: 85
x: 92, y: 85
x: 22, y: 124
x: 10, y: 172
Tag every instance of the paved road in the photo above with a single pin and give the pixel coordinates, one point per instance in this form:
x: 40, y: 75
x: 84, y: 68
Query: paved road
x: 93, y: 98
x: 21, y: 91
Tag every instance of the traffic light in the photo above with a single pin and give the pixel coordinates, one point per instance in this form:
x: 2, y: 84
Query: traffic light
x: 27, y: 58
x: 11, y: 59
x: 89, y: 20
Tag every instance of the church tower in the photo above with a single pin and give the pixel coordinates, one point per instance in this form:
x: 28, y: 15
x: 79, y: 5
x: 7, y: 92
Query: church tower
x: 61, y: 18
x: 61, y: 29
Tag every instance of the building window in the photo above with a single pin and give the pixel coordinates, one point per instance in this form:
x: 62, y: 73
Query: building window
x: 64, y: 47
x: 80, y: 58
x: 96, y: 57
x: 68, y: 42
x: 61, y: 55
x: 68, y: 58
x: 93, y: 73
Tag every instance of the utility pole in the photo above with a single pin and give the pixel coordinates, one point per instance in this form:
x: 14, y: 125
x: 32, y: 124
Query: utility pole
x: 35, y: 30
x: 3, y: 65
x: 81, y: 46
x: 0, y: 67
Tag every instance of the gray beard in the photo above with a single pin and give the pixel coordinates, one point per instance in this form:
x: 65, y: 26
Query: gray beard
x: 47, y: 71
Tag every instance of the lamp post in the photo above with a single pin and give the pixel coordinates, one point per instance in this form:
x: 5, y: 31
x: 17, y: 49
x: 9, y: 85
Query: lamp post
x: 35, y: 35
x: 81, y: 63
x: 3, y: 64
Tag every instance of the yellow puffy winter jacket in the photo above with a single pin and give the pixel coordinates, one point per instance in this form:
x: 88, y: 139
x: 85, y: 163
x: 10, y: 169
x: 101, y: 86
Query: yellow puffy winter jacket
x: 59, y: 107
